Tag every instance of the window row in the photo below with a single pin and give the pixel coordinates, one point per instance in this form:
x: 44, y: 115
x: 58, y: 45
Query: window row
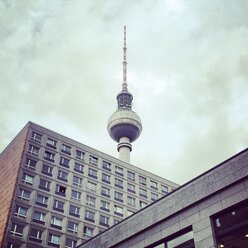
x: 36, y: 234
x: 42, y: 200
x: 48, y: 169
x: 58, y: 222
x: 78, y: 182
x: 52, y: 143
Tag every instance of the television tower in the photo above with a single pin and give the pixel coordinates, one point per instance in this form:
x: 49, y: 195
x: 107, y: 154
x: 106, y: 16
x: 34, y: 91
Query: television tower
x: 124, y: 125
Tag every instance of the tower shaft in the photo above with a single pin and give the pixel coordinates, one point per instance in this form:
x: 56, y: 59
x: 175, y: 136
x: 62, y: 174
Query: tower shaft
x: 124, y: 148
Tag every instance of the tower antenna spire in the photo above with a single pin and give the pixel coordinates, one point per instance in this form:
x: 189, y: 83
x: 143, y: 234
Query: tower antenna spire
x: 124, y: 83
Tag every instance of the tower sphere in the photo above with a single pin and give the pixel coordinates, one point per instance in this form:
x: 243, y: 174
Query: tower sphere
x: 124, y: 123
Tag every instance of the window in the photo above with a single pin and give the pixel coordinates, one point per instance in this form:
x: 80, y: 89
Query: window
x: 33, y: 150
x: 105, y: 192
x: 17, y: 230
x: 93, y: 160
x: 118, y: 183
x: 90, y: 200
x: 91, y: 186
x: 131, y: 187
x: 88, y: 231
x: 105, y: 206
x: 35, y: 235
x: 89, y: 216
x: 56, y: 222
x: 129, y: 212
x: 75, y: 195
x: 106, y: 165
x: 131, y: 201
x: 80, y: 155
x: 21, y: 211
x: 92, y: 173
x: 231, y: 226
x: 77, y: 181
x: 142, y: 204
x: 30, y: 163
x: 60, y: 190
x: 154, y: 196
x: 64, y: 162
x: 185, y: 240
x: 13, y: 245
x: 118, y: 210
x: 116, y: 221
x: 39, y: 217
x: 79, y: 168
x: 41, y: 200
x: 72, y: 227
x: 142, y: 180
x: 58, y: 205
x: 154, y: 185
x: 106, y: 178
x: 36, y: 137
x: 45, y: 185
x: 104, y: 220
x: 49, y: 156
x: 51, y: 143
x: 62, y: 175
x: 164, y: 189
x: 66, y: 149
x: 118, y: 196
x: 24, y: 194
x: 74, y: 211
x: 54, y: 239
x: 26, y: 178
x: 118, y: 170
x: 143, y: 193
x: 46, y: 169
x: 70, y: 243
x: 131, y: 175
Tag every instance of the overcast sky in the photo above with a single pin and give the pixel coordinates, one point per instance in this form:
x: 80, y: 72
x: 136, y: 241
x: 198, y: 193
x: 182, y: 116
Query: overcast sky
x: 61, y: 67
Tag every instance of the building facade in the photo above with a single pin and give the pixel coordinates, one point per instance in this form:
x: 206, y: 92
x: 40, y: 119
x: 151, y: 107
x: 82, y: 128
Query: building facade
x: 210, y: 211
x: 57, y: 192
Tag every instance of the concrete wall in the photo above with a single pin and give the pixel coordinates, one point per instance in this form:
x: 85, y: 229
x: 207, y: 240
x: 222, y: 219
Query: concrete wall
x: 190, y: 205
x: 10, y: 160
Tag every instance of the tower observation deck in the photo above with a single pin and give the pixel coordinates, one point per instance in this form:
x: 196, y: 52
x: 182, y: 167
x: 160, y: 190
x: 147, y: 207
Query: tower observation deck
x: 124, y: 125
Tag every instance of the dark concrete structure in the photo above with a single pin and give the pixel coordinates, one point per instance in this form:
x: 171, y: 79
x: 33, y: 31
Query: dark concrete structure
x: 210, y: 211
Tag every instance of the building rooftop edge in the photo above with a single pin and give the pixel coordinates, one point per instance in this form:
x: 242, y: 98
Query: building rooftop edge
x: 15, y: 137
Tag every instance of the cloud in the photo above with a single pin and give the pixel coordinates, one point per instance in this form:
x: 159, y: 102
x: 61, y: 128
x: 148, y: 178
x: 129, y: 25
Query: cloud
x: 187, y: 70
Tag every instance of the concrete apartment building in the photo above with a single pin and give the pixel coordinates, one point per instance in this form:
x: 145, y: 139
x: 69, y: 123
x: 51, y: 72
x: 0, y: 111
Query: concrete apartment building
x: 57, y: 192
